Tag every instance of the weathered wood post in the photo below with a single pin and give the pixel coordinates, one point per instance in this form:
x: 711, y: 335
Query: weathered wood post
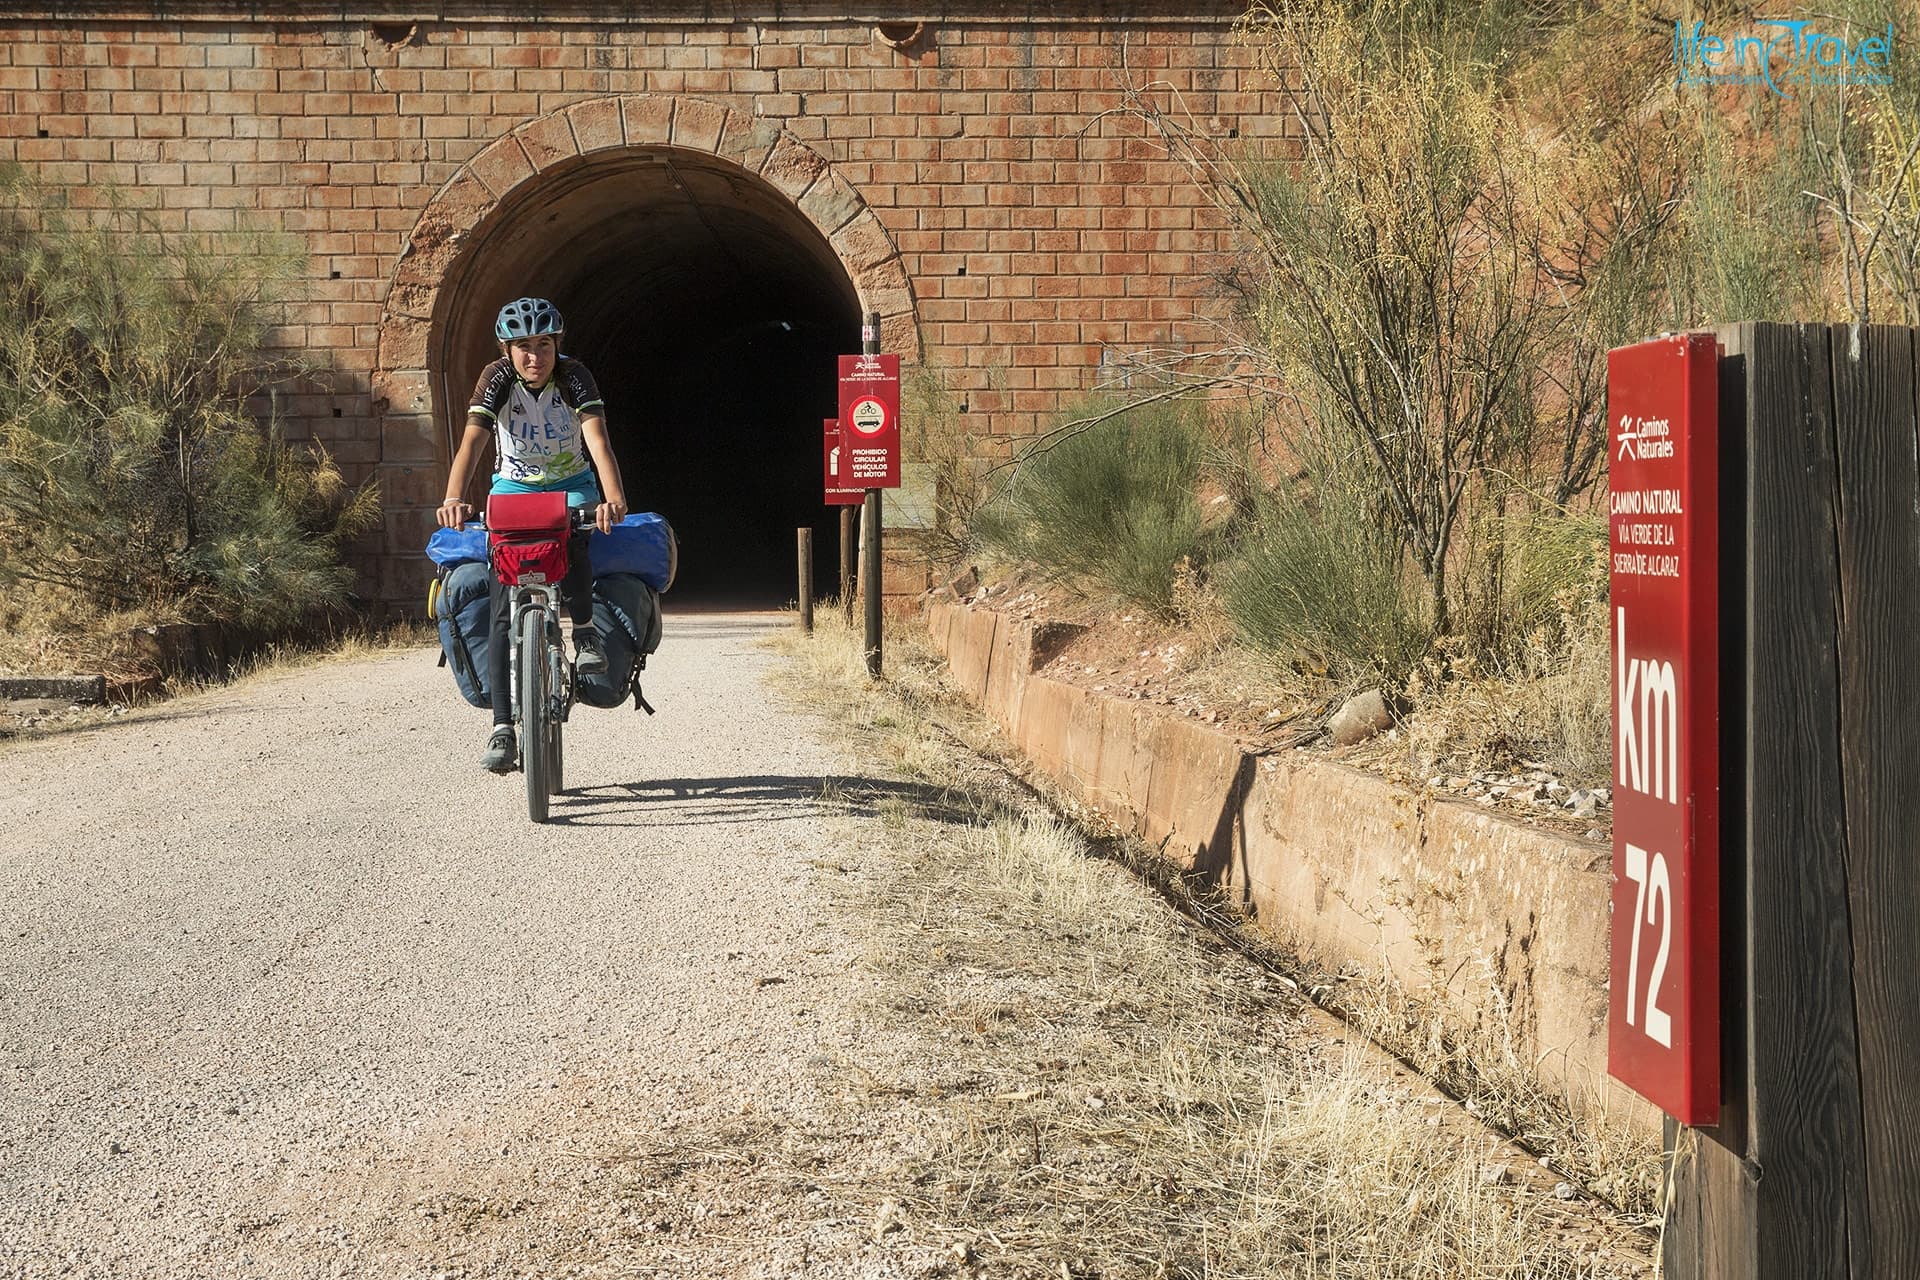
x: 1813, y: 1168
x: 846, y: 561
x: 872, y: 525
x: 805, y: 544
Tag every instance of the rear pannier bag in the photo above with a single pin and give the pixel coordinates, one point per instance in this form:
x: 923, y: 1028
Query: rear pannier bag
x: 461, y: 607
x: 626, y: 611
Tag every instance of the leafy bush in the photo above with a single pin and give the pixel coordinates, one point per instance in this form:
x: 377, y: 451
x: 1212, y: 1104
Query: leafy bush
x: 132, y: 472
x: 1317, y: 583
x: 1113, y: 507
x: 1434, y: 277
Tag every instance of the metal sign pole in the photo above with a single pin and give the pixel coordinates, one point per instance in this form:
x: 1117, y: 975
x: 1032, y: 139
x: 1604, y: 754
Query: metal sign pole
x: 870, y: 571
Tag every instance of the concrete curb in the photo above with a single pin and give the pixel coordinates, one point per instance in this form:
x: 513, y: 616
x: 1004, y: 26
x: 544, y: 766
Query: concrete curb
x: 86, y: 690
x: 1348, y: 867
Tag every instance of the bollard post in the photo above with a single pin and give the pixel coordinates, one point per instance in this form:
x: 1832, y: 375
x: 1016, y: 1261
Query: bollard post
x: 806, y: 580
x: 846, y: 561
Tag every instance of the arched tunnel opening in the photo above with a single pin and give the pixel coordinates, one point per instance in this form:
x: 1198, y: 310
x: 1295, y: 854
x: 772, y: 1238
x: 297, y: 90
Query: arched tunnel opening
x: 710, y: 311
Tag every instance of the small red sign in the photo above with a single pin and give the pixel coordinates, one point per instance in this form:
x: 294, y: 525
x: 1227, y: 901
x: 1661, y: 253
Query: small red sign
x: 1664, y: 1018
x: 840, y: 492
x: 870, y: 419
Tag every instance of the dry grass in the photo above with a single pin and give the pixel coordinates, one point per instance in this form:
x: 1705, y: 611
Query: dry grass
x: 1114, y: 1091
x: 350, y: 643
x: 44, y: 631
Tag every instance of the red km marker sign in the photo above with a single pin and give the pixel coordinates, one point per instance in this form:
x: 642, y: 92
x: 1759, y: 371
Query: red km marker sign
x: 1663, y: 1035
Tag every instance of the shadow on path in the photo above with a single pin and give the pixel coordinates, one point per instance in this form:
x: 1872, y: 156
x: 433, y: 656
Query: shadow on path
x: 696, y: 802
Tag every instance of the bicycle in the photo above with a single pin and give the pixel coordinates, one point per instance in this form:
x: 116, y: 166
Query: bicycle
x: 527, y: 544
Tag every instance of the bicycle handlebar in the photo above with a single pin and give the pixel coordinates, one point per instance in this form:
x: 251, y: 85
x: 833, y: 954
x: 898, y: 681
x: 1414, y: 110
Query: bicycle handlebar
x: 577, y: 518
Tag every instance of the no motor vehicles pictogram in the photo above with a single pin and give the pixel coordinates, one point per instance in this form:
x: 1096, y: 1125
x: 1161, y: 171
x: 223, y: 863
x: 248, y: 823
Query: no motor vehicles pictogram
x: 870, y: 414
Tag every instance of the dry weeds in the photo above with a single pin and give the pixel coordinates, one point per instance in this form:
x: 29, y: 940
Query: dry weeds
x: 40, y: 717
x: 1116, y: 1092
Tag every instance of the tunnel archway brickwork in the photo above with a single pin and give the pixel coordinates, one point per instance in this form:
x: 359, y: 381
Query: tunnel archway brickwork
x: 562, y: 180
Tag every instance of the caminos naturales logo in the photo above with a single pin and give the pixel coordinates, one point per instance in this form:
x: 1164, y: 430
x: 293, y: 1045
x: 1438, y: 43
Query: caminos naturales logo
x: 1785, y: 55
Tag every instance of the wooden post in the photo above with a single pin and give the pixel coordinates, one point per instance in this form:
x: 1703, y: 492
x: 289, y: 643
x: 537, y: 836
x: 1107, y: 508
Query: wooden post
x: 1814, y: 1168
x: 871, y: 573
x: 846, y: 561
x: 870, y: 577
x: 806, y: 580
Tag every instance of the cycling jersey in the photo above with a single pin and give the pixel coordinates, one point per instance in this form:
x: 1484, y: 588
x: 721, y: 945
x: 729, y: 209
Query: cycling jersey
x: 536, y: 431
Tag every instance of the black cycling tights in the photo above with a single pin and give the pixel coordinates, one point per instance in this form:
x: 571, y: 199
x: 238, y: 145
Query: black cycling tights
x: 576, y: 589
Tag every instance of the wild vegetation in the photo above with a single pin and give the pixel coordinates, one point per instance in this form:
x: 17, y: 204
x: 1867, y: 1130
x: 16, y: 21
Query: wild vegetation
x: 137, y: 480
x: 1478, y: 202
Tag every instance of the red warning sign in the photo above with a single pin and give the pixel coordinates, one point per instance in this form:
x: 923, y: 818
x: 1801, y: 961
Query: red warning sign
x: 870, y: 420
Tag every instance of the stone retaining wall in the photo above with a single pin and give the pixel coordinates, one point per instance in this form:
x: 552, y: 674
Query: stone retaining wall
x: 1352, y: 869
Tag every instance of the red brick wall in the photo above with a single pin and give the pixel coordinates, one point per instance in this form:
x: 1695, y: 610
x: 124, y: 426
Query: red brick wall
x: 1017, y: 228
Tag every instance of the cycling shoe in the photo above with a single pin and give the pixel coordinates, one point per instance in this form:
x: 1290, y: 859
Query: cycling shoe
x: 501, y: 755
x: 589, y: 658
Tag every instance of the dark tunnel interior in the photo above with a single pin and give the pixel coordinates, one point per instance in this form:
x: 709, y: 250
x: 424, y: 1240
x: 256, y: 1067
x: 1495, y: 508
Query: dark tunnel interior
x: 710, y: 310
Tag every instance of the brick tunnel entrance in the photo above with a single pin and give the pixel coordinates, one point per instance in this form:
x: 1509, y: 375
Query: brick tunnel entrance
x: 710, y: 309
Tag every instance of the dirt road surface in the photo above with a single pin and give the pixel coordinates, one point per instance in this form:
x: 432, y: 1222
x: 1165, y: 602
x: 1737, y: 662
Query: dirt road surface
x: 290, y: 987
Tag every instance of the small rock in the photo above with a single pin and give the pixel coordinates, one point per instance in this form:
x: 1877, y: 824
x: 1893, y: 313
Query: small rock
x: 1495, y: 1175
x: 1565, y: 1191
x: 115, y: 1148
x: 888, y: 1218
x: 1360, y: 718
x: 1583, y: 804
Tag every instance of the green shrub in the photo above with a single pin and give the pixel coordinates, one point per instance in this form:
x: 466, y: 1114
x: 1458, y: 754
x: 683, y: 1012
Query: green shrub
x: 1317, y: 583
x: 132, y: 472
x: 1111, y: 507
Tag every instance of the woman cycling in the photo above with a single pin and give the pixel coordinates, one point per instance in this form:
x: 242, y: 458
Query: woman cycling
x: 549, y: 429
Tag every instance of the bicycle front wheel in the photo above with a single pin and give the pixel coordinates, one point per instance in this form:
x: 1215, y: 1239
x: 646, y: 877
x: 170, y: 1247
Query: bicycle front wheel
x: 536, y: 710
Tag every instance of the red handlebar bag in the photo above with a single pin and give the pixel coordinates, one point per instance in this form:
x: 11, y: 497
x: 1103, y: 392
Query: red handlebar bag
x: 527, y: 537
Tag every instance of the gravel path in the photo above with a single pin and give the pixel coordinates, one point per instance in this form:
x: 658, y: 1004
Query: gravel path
x: 289, y: 986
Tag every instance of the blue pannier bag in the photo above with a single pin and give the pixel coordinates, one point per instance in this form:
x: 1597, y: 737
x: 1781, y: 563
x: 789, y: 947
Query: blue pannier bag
x: 626, y: 612
x: 642, y: 544
x: 465, y: 545
x: 461, y: 607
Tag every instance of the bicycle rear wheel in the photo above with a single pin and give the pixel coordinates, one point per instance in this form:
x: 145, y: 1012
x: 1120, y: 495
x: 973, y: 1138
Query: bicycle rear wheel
x: 536, y: 709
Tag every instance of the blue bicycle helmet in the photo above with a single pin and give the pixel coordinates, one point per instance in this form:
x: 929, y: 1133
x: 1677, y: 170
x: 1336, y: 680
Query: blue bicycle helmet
x: 527, y: 318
